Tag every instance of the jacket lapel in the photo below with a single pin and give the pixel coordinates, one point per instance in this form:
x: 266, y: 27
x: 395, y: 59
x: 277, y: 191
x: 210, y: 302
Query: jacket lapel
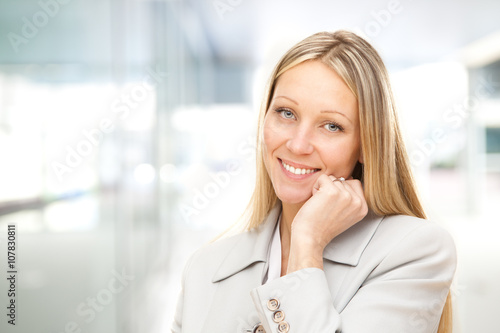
x: 232, y: 305
x: 348, y: 247
x: 342, y: 256
x: 251, y: 247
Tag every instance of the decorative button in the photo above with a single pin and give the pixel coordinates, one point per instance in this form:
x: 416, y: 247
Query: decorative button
x: 273, y: 304
x: 278, y: 316
x: 283, y: 327
x: 258, y: 328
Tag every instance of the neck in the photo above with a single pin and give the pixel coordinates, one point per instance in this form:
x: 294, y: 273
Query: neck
x: 287, y: 215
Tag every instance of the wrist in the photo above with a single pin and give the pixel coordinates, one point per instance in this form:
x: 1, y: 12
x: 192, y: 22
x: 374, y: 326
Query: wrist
x: 307, y: 244
x: 304, y: 254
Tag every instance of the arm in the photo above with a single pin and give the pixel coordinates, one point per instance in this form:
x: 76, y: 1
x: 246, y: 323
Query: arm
x: 405, y: 292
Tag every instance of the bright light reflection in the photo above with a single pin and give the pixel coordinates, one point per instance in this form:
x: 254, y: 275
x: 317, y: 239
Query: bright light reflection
x: 144, y: 173
x: 72, y: 215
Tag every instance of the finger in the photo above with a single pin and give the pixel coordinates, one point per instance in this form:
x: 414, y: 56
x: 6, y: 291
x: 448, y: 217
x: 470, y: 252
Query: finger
x: 357, y: 190
x: 320, y: 182
x: 336, y: 179
x: 324, y: 180
x: 349, y: 188
x: 353, y: 186
x: 333, y: 178
x: 357, y: 187
x: 338, y: 182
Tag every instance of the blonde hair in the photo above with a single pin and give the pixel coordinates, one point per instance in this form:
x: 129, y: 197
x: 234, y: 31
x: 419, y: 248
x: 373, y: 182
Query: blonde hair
x: 386, y: 174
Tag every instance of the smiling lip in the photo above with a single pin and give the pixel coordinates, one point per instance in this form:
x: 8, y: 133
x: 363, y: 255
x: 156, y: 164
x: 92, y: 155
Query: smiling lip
x: 305, y: 171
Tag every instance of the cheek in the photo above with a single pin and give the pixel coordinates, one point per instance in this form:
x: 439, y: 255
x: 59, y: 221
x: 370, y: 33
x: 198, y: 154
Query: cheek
x: 270, y: 137
x: 267, y: 141
x: 354, y: 157
x: 342, y: 157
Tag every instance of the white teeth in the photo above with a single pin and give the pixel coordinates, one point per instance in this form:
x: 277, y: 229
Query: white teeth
x: 297, y: 171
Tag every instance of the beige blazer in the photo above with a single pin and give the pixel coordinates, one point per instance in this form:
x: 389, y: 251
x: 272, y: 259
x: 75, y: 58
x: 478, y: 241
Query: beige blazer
x: 384, y: 274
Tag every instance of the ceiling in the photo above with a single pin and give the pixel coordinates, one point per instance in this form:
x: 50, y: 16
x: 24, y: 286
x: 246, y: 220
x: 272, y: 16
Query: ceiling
x: 405, y: 32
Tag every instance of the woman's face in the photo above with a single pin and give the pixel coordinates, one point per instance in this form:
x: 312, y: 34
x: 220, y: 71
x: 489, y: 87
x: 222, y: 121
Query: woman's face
x: 310, y: 128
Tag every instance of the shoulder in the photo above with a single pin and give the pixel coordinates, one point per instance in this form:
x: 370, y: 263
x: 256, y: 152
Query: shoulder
x: 406, y: 240
x: 209, y: 257
x: 402, y: 228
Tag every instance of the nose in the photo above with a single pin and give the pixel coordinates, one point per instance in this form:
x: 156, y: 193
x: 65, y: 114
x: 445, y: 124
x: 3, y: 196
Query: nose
x: 300, y: 142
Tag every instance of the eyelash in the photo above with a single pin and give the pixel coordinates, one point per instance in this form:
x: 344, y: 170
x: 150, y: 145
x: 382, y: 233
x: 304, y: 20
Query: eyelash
x: 282, y: 110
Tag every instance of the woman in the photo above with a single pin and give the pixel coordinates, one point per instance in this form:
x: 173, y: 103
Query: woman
x: 336, y: 240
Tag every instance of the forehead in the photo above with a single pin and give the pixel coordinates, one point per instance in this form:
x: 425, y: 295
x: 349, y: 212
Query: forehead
x: 316, y: 85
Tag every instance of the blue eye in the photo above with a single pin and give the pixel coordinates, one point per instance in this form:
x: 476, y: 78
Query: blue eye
x: 285, y: 113
x: 333, y: 127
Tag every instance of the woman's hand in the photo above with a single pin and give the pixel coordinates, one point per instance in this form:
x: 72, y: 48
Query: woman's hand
x: 334, y: 207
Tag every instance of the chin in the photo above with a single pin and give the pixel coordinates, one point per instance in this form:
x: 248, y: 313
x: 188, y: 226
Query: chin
x: 293, y: 197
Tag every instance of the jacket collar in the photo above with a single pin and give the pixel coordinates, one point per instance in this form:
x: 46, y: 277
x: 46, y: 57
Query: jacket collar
x: 348, y: 247
x: 250, y: 247
x: 253, y: 245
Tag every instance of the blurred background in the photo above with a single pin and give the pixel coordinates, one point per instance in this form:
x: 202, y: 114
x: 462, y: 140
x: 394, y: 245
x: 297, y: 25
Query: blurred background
x: 127, y: 133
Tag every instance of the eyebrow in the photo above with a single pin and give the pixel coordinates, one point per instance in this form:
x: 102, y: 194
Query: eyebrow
x: 287, y: 98
x: 333, y: 111
x: 323, y: 111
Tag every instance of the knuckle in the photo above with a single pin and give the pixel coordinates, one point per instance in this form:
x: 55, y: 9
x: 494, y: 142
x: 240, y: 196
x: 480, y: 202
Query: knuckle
x: 364, y: 209
x: 346, y: 196
x: 331, y: 190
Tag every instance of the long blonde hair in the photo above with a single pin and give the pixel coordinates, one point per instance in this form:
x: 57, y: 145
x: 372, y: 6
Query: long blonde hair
x: 386, y: 174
